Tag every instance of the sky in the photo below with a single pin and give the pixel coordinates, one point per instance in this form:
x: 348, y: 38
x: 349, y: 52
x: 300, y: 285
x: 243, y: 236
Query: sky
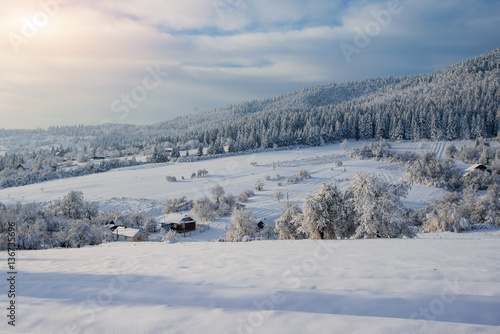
x: 67, y: 62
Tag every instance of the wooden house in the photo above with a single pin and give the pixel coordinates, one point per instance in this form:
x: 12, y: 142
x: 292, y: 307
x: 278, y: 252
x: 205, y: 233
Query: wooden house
x: 130, y: 234
x: 186, y: 224
x: 475, y: 167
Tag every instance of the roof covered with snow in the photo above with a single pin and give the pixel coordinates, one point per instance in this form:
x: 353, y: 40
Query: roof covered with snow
x: 130, y: 232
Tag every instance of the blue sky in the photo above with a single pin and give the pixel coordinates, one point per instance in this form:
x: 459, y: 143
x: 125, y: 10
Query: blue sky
x: 141, y: 62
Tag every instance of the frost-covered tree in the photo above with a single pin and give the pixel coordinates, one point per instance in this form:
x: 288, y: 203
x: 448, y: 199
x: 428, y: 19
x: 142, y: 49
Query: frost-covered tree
x: 279, y: 195
x: 289, y: 221
x: 243, y: 224
x: 217, y: 192
x: 169, y: 236
x: 74, y: 206
x: 177, y: 205
x: 326, y: 215
x: 205, y: 209
x: 80, y: 233
x: 378, y: 207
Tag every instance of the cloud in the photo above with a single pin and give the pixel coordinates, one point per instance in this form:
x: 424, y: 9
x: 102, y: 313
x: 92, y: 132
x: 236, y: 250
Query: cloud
x: 89, y: 53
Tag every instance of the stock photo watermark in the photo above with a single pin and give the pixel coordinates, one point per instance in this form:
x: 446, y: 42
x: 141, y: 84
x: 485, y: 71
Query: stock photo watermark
x: 11, y: 274
x: 31, y: 26
x: 151, y: 81
x: 381, y: 19
x: 290, y: 279
x: 229, y: 8
x: 89, y: 308
x: 436, y: 307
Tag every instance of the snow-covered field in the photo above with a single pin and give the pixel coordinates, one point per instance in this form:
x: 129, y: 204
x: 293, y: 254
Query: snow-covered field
x: 144, y: 188
x: 441, y: 283
x: 435, y: 283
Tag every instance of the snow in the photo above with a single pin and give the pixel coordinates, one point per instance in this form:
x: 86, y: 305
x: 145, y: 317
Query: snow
x: 143, y: 188
x: 440, y: 283
x: 435, y: 283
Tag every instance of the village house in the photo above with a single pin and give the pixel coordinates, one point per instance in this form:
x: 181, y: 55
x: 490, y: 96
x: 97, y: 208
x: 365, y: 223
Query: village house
x: 26, y: 167
x: 130, y: 234
x: 186, y: 224
x: 475, y: 167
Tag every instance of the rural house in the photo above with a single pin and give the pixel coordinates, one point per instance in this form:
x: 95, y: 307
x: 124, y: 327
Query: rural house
x: 186, y: 224
x: 130, y: 234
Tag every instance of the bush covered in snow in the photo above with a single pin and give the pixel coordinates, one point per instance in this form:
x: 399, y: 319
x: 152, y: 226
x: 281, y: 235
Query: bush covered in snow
x: 177, y: 205
x: 171, y: 178
x: 169, y: 236
x: 480, y: 153
x: 480, y: 180
x: 370, y: 208
x: 245, y: 195
x: 221, y: 205
x: 431, y: 171
x: 287, y: 225
x: 462, y: 211
x: 302, y: 175
x: 243, y: 225
x: 424, y: 169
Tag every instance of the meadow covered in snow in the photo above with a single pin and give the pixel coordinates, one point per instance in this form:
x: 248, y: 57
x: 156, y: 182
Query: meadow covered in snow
x: 434, y: 283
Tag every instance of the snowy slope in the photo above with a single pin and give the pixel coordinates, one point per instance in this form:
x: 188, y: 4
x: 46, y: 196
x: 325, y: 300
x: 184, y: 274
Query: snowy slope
x: 144, y: 188
x: 436, y: 283
x: 442, y: 283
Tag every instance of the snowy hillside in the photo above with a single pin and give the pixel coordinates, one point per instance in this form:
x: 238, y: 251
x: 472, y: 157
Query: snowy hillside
x: 442, y: 283
x: 435, y: 283
x: 144, y: 188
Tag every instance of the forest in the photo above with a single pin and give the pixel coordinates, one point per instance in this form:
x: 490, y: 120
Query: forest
x: 459, y: 102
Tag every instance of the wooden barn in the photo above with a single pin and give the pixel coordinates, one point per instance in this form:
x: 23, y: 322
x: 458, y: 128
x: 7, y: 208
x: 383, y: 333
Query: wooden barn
x: 186, y: 224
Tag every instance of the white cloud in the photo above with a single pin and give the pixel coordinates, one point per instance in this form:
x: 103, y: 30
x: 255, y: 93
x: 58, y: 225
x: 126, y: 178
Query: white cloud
x: 217, y: 52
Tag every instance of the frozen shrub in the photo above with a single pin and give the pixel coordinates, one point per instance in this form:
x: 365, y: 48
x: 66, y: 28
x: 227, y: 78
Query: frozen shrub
x: 243, y: 224
x: 431, y: 171
x: 259, y: 185
x: 478, y: 180
x: 450, y: 151
x: 226, y: 205
x: 178, y: 205
x: 205, y: 209
x: 201, y: 173
x: 445, y: 215
x: 171, y: 178
x: 338, y: 163
x: 375, y: 151
x: 217, y: 192
x: 292, y: 180
x: 288, y: 223
x: 169, y: 236
x: 79, y: 233
x: 303, y: 174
